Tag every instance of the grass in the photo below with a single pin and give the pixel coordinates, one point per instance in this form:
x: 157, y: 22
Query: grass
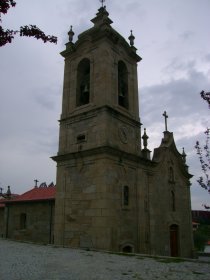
x: 198, y: 273
x: 170, y: 260
x: 137, y: 276
x: 122, y: 254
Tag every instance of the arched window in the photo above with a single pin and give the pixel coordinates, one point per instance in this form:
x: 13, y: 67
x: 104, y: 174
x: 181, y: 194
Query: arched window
x: 173, y: 205
x: 83, y: 82
x: 122, y: 85
x: 171, y: 174
x: 125, y: 195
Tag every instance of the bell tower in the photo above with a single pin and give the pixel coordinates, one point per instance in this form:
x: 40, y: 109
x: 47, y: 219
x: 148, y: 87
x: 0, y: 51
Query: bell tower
x: 100, y: 140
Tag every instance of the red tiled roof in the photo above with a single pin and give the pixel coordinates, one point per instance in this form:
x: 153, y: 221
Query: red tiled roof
x: 37, y: 193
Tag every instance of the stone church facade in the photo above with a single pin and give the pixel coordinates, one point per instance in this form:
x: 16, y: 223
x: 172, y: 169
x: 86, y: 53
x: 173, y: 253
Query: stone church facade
x: 109, y: 194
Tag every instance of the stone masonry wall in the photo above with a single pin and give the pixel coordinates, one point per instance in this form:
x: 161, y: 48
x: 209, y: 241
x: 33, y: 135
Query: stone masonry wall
x: 36, y: 226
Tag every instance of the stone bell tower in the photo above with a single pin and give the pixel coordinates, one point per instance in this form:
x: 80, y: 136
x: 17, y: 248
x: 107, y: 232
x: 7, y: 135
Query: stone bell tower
x: 100, y: 95
x: 99, y: 143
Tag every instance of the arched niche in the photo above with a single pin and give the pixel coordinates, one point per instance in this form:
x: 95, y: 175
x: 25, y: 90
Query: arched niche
x: 127, y: 248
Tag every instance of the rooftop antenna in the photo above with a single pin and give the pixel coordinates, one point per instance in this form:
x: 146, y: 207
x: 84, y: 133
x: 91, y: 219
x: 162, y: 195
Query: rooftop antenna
x: 102, y: 2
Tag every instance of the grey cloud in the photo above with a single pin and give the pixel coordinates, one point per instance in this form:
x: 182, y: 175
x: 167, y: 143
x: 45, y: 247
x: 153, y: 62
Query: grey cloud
x: 46, y: 97
x: 177, y: 65
x: 179, y: 97
x: 47, y: 141
x: 207, y: 57
x: 187, y: 35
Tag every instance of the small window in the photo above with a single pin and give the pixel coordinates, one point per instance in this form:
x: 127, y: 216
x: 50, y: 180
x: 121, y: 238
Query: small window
x: 81, y: 138
x: 23, y: 221
x: 125, y: 195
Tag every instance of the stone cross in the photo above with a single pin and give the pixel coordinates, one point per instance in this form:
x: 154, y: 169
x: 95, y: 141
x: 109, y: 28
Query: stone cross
x: 36, y: 182
x: 165, y: 116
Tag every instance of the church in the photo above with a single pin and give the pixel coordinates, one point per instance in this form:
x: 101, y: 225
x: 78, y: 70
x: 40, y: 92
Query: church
x: 110, y: 194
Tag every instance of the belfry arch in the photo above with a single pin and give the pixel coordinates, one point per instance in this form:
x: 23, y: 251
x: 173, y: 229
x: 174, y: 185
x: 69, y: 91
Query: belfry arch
x: 83, y: 82
x: 123, y: 85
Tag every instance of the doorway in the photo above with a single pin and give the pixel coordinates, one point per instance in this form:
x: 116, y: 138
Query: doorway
x: 174, y: 240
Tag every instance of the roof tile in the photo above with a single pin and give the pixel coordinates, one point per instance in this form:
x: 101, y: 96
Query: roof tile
x: 37, y: 193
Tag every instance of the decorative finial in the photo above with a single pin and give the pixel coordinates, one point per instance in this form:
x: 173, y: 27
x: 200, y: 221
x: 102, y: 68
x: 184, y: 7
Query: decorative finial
x: 184, y: 155
x: 8, y: 191
x: 102, y: 3
x: 145, y: 138
x: 165, y: 116
x: 131, y: 38
x: 6, y: 195
x: 71, y: 34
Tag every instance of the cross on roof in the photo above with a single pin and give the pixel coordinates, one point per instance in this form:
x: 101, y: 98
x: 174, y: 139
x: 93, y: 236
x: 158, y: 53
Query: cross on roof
x: 102, y: 1
x: 36, y: 181
x: 165, y: 116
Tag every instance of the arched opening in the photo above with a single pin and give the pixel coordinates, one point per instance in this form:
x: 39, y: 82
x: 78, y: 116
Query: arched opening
x: 122, y: 85
x: 83, y: 82
x: 174, y: 240
x: 127, y: 249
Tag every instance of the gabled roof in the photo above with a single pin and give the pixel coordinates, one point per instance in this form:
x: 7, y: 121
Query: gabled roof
x: 35, y: 194
x: 168, y: 144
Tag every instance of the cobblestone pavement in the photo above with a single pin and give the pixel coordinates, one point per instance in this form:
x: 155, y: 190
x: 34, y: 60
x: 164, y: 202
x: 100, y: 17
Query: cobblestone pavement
x: 23, y: 261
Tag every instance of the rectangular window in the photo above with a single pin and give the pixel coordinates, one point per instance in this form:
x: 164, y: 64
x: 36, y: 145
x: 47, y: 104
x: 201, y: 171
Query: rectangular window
x: 81, y: 138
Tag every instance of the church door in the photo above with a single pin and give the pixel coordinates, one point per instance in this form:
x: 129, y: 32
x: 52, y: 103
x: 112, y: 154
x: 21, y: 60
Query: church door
x: 174, y: 240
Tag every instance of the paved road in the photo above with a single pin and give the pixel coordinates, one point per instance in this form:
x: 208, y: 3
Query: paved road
x: 22, y: 261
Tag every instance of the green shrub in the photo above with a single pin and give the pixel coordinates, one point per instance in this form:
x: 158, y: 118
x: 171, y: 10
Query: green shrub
x: 201, y: 237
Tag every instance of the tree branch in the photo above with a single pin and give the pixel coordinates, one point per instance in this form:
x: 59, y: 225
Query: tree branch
x: 6, y: 36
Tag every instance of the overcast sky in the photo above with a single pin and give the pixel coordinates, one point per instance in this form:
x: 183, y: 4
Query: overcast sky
x: 172, y: 37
